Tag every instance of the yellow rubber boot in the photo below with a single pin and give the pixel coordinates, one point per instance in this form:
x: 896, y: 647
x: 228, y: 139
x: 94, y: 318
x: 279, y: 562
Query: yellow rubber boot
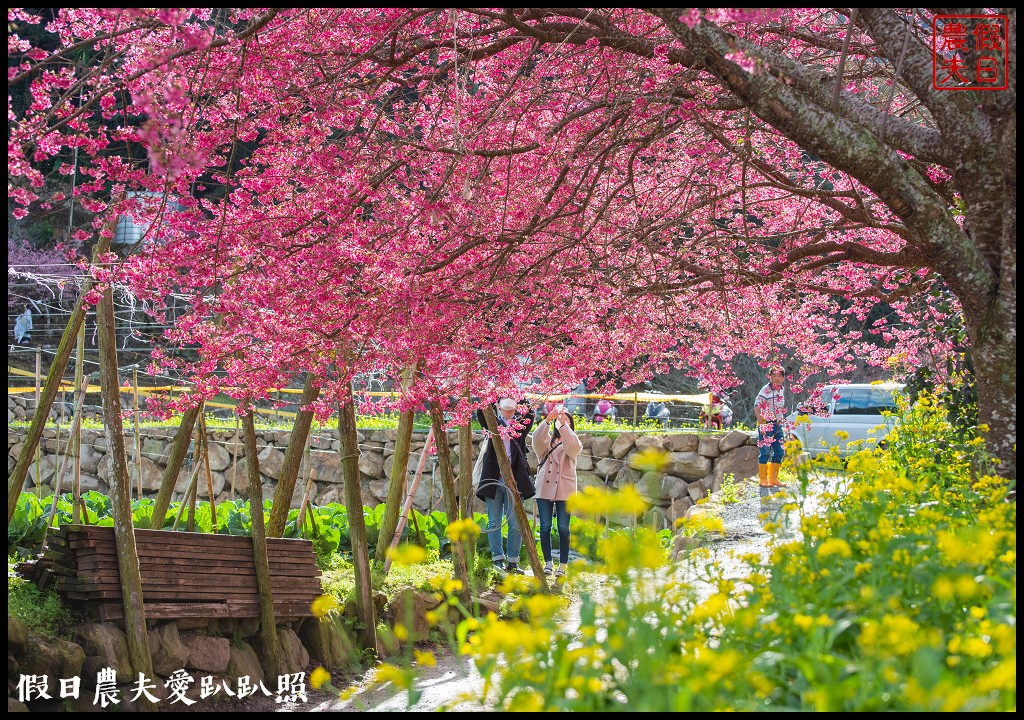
x: 762, y: 473
x: 773, y: 475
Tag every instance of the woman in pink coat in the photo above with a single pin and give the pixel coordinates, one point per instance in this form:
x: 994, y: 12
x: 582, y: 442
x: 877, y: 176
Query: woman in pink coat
x: 557, y: 451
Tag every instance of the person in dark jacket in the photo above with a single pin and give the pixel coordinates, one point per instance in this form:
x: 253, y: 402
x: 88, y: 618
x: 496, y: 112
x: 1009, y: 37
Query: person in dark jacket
x: 491, y: 487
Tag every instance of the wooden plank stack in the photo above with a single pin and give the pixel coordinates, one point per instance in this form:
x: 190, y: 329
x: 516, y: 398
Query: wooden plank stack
x: 183, y: 574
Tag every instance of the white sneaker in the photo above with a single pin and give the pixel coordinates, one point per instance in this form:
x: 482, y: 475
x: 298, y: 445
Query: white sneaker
x: 548, y: 567
x: 560, y: 572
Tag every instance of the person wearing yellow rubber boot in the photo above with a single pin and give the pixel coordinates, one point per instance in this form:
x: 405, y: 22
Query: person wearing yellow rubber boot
x: 770, y: 409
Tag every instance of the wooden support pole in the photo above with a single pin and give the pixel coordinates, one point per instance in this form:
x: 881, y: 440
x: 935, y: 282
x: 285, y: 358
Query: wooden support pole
x: 77, y: 423
x: 39, y: 363
x: 204, y: 437
x: 407, y: 507
x: 124, y: 532
x: 305, y: 500
x: 198, y: 462
x: 268, y: 623
x: 466, y: 461
x: 59, y: 475
x: 53, y: 381
x: 505, y: 465
x: 292, y: 459
x: 399, y: 476
x: 179, y: 450
x: 234, y: 467
x: 138, y: 439
x: 190, y: 489
x: 357, y: 525
x: 451, y: 502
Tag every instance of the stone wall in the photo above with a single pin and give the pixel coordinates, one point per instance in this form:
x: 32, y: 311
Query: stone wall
x: 696, y: 464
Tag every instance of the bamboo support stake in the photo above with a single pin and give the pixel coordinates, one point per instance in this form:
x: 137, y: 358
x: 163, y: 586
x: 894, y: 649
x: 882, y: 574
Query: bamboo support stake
x: 138, y: 439
x: 39, y: 479
x: 305, y: 500
x: 466, y: 460
x: 407, y: 507
x: 197, y: 461
x: 59, y: 476
x: 77, y: 432
x: 206, y: 463
x: 193, y: 481
x: 261, y: 561
x: 234, y: 467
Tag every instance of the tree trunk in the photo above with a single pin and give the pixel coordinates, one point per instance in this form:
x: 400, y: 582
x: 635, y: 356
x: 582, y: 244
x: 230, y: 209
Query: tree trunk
x: 356, y: 523
x: 292, y: 459
x: 505, y: 465
x: 268, y: 623
x: 451, y: 501
x: 52, y: 385
x: 466, y: 460
x: 179, y: 449
x: 994, y: 347
x: 120, y: 492
x: 399, y: 475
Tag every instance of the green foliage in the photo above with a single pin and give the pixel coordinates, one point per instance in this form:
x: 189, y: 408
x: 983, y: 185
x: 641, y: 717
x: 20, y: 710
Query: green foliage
x: 728, y: 492
x: 42, y: 613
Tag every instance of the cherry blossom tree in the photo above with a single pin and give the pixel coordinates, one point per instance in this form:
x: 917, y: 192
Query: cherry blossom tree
x: 552, y: 192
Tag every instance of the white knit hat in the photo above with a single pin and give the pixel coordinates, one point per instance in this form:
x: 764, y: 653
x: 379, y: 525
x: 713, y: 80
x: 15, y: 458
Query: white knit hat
x: 506, y: 404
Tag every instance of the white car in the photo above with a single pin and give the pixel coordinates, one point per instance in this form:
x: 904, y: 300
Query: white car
x: 853, y: 411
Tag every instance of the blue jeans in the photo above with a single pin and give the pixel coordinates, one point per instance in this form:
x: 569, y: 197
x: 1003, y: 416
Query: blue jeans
x: 770, y: 441
x: 498, y: 507
x: 544, y: 513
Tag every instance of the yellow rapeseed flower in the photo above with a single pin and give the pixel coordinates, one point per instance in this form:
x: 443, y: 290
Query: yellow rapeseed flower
x: 943, y: 588
x: 318, y: 678
x: 388, y: 673
x: 407, y: 554
x: 651, y: 459
x: 804, y: 622
x: 834, y: 546
x: 1002, y: 678
x: 424, y: 658
x: 324, y: 604
x: 465, y: 529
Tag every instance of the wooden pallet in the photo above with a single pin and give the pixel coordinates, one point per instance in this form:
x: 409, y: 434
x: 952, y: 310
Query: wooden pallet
x: 184, y: 575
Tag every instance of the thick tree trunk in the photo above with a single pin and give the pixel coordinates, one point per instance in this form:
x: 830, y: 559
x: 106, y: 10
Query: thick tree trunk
x: 292, y: 459
x: 268, y: 623
x: 451, y: 502
x: 179, y: 450
x: 505, y: 465
x: 994, y: 349
x: 120, y: 492
x: 356, y: 523
x: 16, y: 481
x: 399, y: 475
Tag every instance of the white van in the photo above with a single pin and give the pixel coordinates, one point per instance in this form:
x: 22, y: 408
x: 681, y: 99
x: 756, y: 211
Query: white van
x: 853, y: 409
